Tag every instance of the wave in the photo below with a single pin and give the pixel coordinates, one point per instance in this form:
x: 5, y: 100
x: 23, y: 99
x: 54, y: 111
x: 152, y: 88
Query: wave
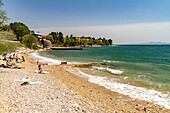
x: 43, y: 59
x: 125, y: 89
x: 114, y: 71
x: 113, y: 61
x: 36, y: 56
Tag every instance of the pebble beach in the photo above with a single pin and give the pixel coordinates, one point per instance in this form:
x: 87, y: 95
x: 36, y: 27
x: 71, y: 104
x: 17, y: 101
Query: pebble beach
x: 61, y: 92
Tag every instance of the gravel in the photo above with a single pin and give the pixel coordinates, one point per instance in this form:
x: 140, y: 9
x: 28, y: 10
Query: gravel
x: 50, y: 97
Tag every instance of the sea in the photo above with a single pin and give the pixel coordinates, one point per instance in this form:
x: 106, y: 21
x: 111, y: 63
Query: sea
x: 139, y: 71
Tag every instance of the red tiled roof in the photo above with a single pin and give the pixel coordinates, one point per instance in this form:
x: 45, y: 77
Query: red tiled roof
x: 84, y: 38
x: 43, y: 36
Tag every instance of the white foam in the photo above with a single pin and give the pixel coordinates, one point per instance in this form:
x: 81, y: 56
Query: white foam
x: 112, y: 61
x: 49, y: 61
x: 99, y: 68
x: 132, y: 91
x: 114, y: 71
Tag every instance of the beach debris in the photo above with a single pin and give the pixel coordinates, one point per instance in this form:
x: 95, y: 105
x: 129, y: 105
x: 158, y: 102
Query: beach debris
x: 63, y: 63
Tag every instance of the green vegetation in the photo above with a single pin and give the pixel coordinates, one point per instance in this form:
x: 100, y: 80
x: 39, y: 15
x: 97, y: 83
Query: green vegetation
x: 9, y: 47
x: 67, y: 41
x: 5, y: 28
x: 5, y: 35
x: 19, y: 29
x: 58, y: 37
x: 50, y: 37
x: 30, y: 41
x: 3, y: 15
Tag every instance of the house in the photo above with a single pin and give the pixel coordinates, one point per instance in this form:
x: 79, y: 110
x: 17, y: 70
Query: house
x: 84, y: 38
x: 100, y: 40
x: 36, y: 34
x: 77, y: 38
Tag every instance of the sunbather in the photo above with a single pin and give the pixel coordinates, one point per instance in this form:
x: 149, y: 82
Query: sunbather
x: 11, y: 57
x: 40, y: 70
x: 10, y: 64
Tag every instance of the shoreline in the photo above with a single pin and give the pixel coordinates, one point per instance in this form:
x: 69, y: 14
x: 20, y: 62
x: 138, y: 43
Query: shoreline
x: 138, y: 101
x: 99, y: 97
x: 135, y: 91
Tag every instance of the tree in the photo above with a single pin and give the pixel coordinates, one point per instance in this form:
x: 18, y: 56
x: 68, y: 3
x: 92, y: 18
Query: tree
x: 19, y: 29
x: 3, y: 15
x: 30, y: 41
x: 67, y: 42
x: 107, y: 42
x: 50, y: 37
x: 60, y: 38
x: 55, y: 36
x: 5, y: 28
x: 71, y: 35
x: 110, y: 41
x: 91, y: 42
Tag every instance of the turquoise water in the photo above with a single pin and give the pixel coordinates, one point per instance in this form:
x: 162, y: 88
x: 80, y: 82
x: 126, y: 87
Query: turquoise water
x: 143, y: 65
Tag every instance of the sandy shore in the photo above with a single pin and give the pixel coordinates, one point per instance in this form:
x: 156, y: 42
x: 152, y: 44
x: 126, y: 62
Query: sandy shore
x: 62, y: 91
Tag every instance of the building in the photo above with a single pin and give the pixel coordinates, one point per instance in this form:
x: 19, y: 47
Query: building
x: 36, y: 34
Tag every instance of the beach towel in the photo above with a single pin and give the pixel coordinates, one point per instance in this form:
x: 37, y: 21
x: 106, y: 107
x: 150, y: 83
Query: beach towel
x: 19, y: 62
x: 44, y: 72
x: 11, y: 68
x: 26, y: 83
x: 35, y: 82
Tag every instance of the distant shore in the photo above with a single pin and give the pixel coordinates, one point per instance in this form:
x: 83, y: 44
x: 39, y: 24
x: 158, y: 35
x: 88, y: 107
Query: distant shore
x: 70, y: 88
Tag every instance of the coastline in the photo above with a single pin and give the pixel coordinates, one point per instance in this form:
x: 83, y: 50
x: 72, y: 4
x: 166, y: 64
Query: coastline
x: 93, y: 96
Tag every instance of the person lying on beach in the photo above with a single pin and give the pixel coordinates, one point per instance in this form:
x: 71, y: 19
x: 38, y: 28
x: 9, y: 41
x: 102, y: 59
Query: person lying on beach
x: 17, y: 61
x: 20, y: 61
x: 3, y: 65
x: 10, y: 64
x: 40, y: 70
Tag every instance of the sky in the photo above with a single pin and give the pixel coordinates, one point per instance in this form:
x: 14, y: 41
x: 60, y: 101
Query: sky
x: 123, y: 21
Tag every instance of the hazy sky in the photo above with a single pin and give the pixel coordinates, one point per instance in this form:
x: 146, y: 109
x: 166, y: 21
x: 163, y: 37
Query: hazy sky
x: 124, y: 21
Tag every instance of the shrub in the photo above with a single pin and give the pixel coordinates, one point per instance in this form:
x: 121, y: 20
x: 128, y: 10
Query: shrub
x: 9, y: 47
x: 30, y: 41
x: 50, y: 37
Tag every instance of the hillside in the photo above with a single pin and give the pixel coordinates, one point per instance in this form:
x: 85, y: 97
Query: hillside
x: 5, y: 35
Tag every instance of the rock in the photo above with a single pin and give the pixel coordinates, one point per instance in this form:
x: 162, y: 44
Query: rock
x: 47, y: 44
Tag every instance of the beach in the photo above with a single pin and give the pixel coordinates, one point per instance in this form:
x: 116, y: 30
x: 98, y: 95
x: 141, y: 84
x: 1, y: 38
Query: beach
x: 62, y: 91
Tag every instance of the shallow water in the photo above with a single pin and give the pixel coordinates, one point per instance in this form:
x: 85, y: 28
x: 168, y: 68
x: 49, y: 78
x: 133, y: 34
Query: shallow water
x: 140, y: 70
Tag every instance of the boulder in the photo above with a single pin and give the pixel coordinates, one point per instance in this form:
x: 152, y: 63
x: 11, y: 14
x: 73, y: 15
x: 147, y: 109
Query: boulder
x: 47, y: 44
